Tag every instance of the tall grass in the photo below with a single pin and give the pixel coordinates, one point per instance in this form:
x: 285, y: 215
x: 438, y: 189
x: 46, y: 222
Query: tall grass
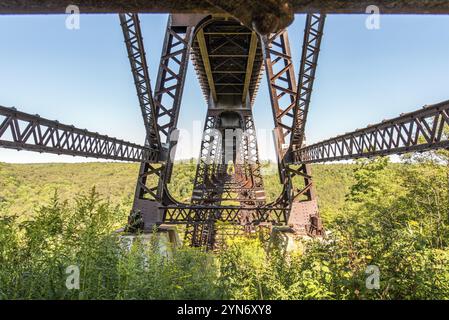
x: 394, y: 217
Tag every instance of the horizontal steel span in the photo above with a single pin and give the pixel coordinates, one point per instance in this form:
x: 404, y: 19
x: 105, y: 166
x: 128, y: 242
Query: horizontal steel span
x: 197, y: 214
x: 421, y: 130
x: 23, y: 131
x: 215, y: 6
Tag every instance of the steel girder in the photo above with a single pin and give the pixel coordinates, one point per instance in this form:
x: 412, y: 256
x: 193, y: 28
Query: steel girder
x: 282, y: 87
x: 213, y: 184
x: 213, y: 6
x: 23, y: 131
x: 153, y: 178
x: 171, y: 77
x: 136, y: 53
x: 289, y: 111
x: 310, y: 52
x: 199, y: 214
x: 291, y: 102
x: 421, y: 130
x: 227, y: 58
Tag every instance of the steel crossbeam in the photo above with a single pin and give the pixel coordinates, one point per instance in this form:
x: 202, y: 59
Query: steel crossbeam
x: 421, y: 130
x: 196, y: 214
x: 23, y: 131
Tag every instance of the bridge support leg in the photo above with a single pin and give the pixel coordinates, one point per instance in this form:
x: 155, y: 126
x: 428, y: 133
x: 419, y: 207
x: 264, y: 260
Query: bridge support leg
x: 228, y: 170
x: 151, y: 191
x: 298, y: 195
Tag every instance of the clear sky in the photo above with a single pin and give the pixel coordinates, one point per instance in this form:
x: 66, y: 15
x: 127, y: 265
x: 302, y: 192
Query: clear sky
x: 82, y: 77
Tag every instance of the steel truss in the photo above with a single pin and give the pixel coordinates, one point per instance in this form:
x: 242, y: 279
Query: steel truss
x: 282, y: 84
x: 152, y: 180
x: 213, y: 184
x: 290, y: 103
x: 136, y: 53
x: 421, y: 130
x: 310, y: 52
x: 198, y: 214
x: 228, y: 58
x: 23, y: 131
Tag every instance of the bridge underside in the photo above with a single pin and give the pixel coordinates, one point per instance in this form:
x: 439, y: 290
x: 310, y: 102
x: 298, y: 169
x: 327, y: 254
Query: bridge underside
x: 265, y: 16
x: 229, y: 58
x: 213, y: 6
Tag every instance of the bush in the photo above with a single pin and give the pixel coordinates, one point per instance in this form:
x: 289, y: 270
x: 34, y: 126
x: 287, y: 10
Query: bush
x: 394, y: 216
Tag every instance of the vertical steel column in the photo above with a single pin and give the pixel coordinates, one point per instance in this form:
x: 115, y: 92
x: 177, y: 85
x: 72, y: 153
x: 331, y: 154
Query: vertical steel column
x: 284, y: 100
x: 208, y: 162
x: 251, y: 161
x: 214, y: 184
x: 152, y: 180
x: 203, y: 234
x: 313, y: 34
x: 136, y: 53
x: 282, y: 88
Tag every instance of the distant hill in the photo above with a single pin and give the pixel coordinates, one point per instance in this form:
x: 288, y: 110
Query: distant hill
x: 23, y: 187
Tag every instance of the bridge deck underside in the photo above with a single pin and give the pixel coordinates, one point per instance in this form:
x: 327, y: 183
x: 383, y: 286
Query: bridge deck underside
x: 228, y: 60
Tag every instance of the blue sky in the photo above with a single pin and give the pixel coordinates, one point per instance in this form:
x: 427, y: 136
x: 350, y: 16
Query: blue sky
x: 82, y: 77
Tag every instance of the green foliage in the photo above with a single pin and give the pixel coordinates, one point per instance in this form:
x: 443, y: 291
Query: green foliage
x: 394, y: 216
x: 36, y: 253
x: 24, y: 187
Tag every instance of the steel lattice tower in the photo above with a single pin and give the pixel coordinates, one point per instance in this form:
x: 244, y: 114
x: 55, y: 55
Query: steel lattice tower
x: 230, y: 49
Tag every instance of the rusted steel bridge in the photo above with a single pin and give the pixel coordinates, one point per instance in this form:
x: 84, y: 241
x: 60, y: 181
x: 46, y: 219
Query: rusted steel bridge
x: 230, y: 47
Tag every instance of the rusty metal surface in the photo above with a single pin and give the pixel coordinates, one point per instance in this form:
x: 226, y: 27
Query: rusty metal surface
x: 136, y: 54
x: 152, y: 179
x: 290, y: 111
x: 421, y: 130
x: 282, y: 87
x: 263, y: 16
x: 290, y: 102
x: 267, y: 16
x: 304, y: 218
x: 313, y: 34
x: 221, y: 51
x: 23, y: 131
x: 228, y: 58
x: 221, y: 54
x: 212, y: 6
x: 214, y: 184
x: 198, y: 214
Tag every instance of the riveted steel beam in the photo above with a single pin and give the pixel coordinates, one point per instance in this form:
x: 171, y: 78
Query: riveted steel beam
x: 206, y: 62
x: 249, y: 66
x: 23, y: 131
x: 313, y: 33
x: 266, y: 16
x: 212, y: 6
x: 418, y: 131
x: 136, y: 53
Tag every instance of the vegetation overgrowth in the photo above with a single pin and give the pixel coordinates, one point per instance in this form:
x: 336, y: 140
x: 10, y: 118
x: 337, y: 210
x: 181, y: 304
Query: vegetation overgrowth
x: 394, y: 216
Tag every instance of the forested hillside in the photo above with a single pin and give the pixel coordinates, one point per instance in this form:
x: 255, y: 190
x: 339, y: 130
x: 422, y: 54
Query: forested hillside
x: 394, y: 217
x: 24, y: 187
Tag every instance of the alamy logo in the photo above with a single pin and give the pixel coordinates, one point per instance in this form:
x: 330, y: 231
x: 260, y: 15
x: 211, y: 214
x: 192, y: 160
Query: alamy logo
x: 73, y: 278
x: 372, y: 22
x: 373, y: 280
x: 72, y: 22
